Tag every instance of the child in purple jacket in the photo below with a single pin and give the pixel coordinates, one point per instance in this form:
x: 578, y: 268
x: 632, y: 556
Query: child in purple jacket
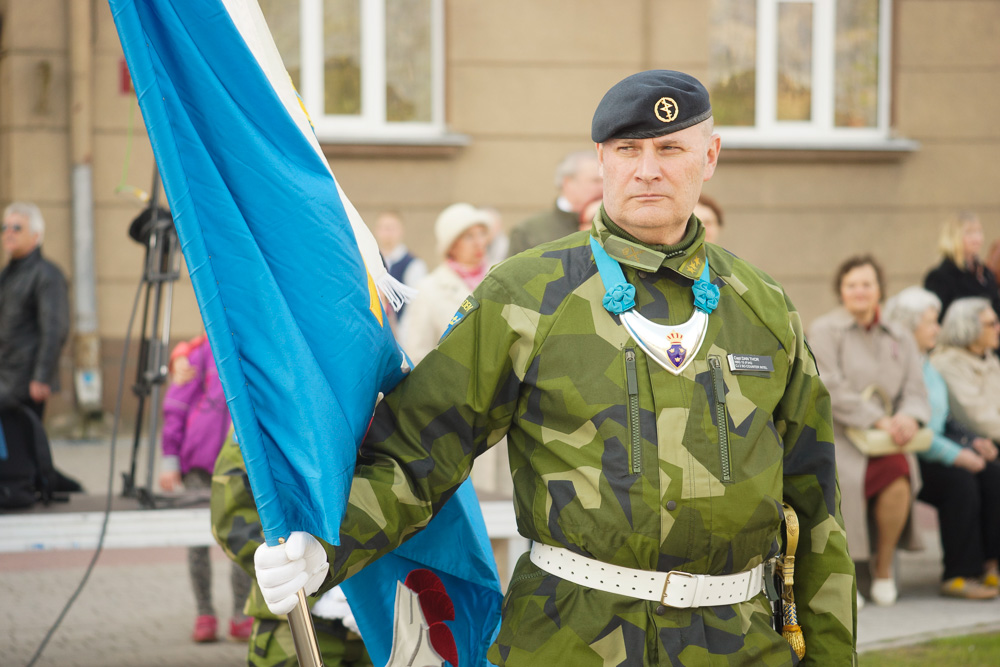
x: 195, y: 423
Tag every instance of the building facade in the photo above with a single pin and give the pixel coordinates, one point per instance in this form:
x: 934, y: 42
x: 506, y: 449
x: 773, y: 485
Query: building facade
x: 848, y: 126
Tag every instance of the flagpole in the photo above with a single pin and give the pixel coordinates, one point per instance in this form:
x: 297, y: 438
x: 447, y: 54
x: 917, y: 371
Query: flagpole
x: 303, y: 631
x: 304, y: 634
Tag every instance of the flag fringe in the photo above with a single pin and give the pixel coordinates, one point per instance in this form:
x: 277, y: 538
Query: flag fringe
x: 394, y: 291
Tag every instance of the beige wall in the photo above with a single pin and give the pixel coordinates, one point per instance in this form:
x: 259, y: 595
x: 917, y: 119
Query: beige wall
x: 798, y: 220
x: 523, y: 78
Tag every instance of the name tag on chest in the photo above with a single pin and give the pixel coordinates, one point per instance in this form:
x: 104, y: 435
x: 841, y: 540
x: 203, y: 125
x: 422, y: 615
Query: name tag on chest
x: 750, y: 363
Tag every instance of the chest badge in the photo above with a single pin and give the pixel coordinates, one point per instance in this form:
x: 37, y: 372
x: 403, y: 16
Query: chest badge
x: 672, y: 347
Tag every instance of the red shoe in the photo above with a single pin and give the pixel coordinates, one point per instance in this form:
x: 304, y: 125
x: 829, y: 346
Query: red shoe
x: 240, y: 632
x: 204, y: 629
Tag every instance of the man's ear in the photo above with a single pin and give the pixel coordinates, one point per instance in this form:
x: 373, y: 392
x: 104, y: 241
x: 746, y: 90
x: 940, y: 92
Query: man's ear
x: 714, y: 146
x: 600, y: 158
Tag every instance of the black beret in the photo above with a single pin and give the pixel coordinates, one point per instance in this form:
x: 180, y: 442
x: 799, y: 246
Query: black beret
x: 650, y: 104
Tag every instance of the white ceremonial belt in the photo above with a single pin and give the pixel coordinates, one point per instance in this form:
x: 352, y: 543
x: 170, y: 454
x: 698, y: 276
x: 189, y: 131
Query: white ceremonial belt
x: 673, y: 589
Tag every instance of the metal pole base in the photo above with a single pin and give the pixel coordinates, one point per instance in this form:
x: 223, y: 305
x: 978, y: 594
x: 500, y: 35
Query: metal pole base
x: 304, y: 634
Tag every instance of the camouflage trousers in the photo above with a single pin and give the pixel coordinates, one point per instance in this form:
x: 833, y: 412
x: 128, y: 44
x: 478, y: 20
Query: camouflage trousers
x: 271, y: 645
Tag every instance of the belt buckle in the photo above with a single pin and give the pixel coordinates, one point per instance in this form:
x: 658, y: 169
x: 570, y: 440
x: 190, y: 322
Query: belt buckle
x: 666, y: 583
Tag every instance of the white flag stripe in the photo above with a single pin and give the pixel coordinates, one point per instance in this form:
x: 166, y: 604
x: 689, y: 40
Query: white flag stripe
x: 249, y: 21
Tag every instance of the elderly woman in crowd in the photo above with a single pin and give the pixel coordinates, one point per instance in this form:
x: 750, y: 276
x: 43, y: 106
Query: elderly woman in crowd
x: 962, y: 272
x: 855, y: 349
x: 958, y: 478
x: 462, y: 233
x: 970, y: 333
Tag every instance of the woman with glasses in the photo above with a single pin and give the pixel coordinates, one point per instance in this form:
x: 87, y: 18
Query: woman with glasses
x: 970, y: 333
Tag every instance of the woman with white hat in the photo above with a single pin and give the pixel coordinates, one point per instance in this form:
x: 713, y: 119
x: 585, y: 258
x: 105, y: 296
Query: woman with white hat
x: 462, y: 232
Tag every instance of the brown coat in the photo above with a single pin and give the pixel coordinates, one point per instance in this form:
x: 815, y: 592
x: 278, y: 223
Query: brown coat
x: 850, y: 359
x: 973, y: 388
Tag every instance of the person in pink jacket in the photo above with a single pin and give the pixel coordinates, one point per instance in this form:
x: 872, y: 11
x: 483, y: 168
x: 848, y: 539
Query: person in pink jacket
x: 195, y: 423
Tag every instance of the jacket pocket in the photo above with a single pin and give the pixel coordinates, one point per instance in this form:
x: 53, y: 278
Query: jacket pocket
x: 634, y: 432
x: 721, y: 417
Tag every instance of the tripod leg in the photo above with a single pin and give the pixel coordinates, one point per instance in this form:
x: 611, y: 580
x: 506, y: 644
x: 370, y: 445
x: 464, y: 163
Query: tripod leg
x: 129, y: 477
x: 154, y: 423
x: 141, y: 390
x: 159, y: 357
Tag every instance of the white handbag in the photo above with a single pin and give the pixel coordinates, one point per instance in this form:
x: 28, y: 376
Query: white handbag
x: 876, y: 442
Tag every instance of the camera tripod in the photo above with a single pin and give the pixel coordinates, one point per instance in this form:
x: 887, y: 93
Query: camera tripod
x: 154, y: 228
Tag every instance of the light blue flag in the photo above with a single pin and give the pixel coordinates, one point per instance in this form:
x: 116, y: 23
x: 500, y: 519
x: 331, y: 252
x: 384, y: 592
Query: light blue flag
x: 285, y: 275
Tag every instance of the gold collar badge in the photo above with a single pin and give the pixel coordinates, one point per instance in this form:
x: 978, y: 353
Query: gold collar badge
x: 665, y: 109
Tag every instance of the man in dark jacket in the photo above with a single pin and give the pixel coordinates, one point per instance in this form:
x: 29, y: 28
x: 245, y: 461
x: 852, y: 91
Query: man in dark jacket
x: 578, y: 179
x: 34, y: 313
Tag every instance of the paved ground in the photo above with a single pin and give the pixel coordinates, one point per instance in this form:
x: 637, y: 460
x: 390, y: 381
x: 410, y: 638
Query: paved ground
x: 137, y: 609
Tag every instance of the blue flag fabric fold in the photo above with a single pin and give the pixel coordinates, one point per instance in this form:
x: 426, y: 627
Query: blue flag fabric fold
x: 262, y: 227
x: 289, y: 305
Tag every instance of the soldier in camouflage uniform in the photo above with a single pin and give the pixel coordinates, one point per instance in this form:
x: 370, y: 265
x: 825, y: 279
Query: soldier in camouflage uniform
x: 237, y: 529
x: 616, y: 458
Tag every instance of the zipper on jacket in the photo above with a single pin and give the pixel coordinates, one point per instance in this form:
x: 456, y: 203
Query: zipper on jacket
x: 634, y: 434
x: 721, y: 418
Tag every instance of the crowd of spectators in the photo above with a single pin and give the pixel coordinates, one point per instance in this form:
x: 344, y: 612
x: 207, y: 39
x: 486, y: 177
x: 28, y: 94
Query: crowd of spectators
x: 933, y: 390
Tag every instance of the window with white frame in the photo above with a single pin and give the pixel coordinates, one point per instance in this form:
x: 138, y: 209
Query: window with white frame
x: 365, y: 69
x: 800, y: 69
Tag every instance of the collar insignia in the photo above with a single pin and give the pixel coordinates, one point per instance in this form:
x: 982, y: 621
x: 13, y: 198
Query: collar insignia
x: 692, y: 266
x: 633, y: 255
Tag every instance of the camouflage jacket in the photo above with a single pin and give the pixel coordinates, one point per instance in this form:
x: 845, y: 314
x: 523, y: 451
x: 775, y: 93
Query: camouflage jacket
x: 615, y: 458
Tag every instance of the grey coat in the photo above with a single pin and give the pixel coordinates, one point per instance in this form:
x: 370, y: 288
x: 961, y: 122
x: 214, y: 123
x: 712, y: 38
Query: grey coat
x: 34, y: 324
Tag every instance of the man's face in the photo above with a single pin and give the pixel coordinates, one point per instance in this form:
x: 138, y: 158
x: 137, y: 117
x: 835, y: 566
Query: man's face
x: 18, y: 239
x: 651, y: 186
x: 388, y: 232
x: 584, y: 186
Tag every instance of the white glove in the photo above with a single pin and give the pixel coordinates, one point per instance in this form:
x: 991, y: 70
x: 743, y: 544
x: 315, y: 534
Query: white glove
x: 282, y: 570
x: 334, y: 605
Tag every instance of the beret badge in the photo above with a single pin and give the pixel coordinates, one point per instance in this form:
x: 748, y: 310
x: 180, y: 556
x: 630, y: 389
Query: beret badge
x: 665, y: 109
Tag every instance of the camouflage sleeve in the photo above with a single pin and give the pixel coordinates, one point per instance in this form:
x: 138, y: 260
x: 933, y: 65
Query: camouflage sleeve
x: 235, y: 522
x: 825, y: 591
x: 453, y: 406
